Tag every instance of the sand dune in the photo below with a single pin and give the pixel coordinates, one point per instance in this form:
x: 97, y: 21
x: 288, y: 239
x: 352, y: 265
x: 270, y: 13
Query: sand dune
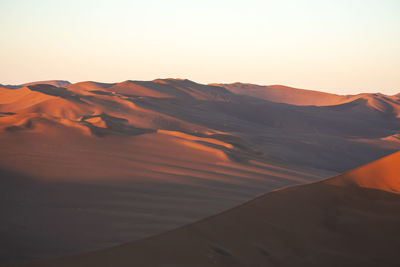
x: 285, y: 94
x: 93, y: 165
x: 278, y: 130
x: 348, y: 220
x: 383, y: 174
x: 51, y: 82
x: 83, y: 192
x: 294, y: 96
x: 115, y: 171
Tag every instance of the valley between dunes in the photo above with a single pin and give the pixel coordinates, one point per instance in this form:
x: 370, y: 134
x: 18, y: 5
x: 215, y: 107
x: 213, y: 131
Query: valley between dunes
x: 90, y: 165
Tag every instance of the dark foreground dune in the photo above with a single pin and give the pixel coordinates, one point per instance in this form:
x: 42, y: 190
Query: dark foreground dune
x: 349, y: 220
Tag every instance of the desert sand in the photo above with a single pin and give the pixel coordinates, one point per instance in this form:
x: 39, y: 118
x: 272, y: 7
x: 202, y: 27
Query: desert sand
x: 91, y: 165
x: 348, y: 220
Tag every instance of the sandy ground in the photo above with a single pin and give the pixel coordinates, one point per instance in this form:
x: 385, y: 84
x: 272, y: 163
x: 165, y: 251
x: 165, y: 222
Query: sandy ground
x: 84, y: 193
x: 91, y: 165
x: 348, y: 220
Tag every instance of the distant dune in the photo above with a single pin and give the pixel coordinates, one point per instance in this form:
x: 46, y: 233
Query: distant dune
x: 348, y: 220
x: 295, y: 96
x: 285, y: 94
x: 91, y: 165
x: 364, y: 122
x: 51, y: 82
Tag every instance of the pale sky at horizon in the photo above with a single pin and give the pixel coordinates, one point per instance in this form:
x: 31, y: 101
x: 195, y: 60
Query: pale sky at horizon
x: 340, y: 46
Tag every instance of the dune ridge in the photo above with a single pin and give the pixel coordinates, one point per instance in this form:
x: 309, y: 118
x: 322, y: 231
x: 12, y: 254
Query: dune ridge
x: 51, y: 82
x: 383, y: 174
x: 303, y: 97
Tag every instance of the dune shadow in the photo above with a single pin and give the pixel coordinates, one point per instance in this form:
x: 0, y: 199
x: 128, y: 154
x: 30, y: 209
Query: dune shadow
x: 100, y: 92
x: 56, y: 91
x: 114, y: 126
x: 26, y: 126
x: 3, y: 114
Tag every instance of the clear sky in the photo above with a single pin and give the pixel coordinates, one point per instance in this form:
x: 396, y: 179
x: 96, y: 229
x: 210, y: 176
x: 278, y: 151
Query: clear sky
x: 340, y: 46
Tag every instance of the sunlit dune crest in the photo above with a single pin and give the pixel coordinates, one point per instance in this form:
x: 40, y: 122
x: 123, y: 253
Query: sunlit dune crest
x: 383, y: 174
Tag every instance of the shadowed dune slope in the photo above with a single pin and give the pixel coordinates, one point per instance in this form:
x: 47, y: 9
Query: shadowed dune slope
x: 65, y: 192
x: 348, y: 220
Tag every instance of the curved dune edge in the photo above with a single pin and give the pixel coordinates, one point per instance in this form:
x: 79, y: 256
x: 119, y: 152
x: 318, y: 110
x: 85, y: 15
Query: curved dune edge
x: 382, y: 174
x: 348, y: 220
